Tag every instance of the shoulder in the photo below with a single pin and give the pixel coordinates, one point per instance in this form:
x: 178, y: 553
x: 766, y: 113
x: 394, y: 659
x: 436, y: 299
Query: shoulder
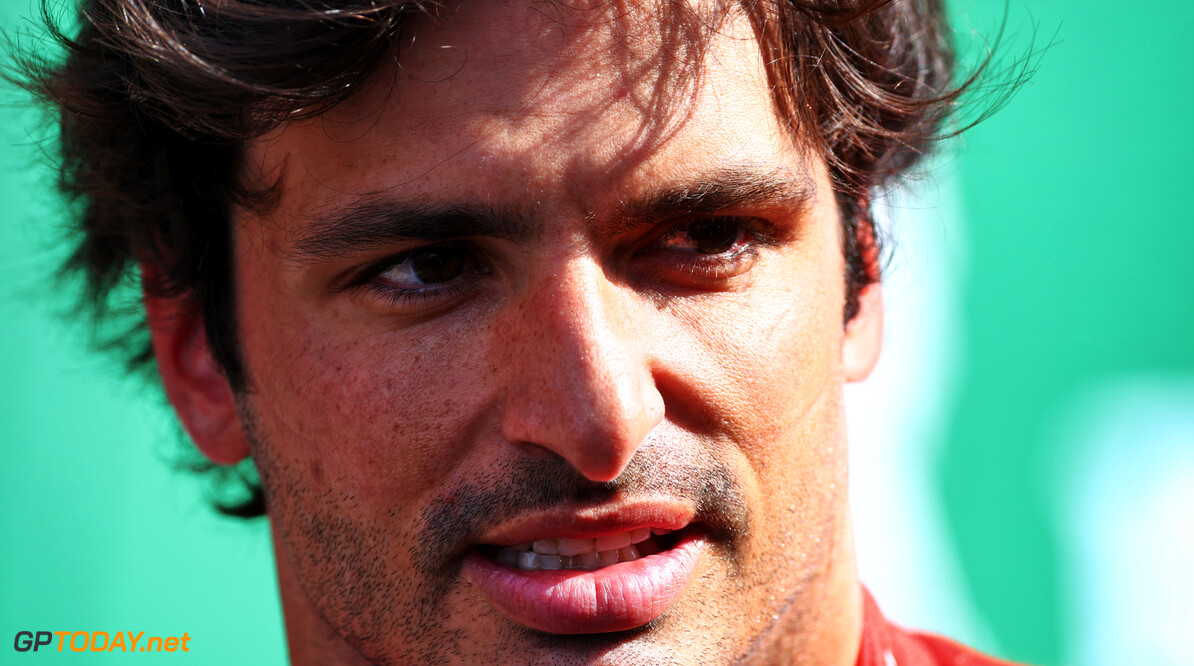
x: 945, y: 652
x: 885, y: 644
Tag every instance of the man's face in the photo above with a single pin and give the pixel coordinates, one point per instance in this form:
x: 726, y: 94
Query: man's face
x: 561, y: 275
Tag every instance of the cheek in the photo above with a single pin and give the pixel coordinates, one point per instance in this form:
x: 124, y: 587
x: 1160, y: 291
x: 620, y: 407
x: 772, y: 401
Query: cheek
x: 366, y: 412
x: 788, y: 381
x: 770, y: 354
x: 770, y: 367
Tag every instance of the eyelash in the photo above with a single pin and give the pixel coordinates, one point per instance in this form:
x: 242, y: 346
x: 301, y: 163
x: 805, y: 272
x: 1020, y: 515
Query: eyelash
x: 400, y: 297
x: 753, y: 233
x: 368, y: 279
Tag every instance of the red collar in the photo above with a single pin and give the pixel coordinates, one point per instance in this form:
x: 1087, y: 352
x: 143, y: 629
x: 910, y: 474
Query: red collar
x: 884, y: 644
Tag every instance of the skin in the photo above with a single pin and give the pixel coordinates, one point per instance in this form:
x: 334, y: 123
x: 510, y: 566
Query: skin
x: 588, y: 360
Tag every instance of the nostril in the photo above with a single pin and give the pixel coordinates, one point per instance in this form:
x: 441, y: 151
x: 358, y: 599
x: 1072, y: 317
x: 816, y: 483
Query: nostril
x: 591, y: 465
x: 533, y: 450
x: 590, y: 405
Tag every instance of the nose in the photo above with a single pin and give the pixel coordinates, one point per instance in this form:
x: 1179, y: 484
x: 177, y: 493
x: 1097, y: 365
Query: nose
x: 581, y: 385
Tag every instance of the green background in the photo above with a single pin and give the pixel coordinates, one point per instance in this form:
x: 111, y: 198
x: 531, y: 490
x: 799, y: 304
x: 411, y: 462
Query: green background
x: 1073, y: 286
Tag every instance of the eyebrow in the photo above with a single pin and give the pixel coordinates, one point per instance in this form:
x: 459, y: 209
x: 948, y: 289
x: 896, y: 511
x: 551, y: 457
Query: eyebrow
x: 727, y: 189
x: 380, y: 219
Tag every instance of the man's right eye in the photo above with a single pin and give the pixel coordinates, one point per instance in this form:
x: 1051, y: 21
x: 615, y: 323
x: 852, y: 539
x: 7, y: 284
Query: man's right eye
x: 426, y: 266
x: 426, y: 274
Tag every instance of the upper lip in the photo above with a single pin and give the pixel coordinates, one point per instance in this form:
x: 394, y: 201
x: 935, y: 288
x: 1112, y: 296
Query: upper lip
x: 591, y: 521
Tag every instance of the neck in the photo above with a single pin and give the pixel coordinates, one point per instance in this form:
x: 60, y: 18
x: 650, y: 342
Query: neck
x: 311, y: 640
x: 826, y: 629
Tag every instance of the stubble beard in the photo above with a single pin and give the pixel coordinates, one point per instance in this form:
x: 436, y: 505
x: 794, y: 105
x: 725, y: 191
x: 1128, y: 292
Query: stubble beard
x: 394, y: 614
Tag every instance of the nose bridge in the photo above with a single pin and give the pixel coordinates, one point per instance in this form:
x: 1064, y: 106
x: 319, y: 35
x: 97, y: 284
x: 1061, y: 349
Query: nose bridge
x: 581, y: 382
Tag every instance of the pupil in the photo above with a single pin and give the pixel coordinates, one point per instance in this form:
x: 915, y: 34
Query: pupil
x: 434, y: 266
x: 713, y: 236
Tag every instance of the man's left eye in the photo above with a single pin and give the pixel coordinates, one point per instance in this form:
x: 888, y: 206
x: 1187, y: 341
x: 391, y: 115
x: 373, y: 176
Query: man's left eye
x: 706, y: 236
x: 706, y: 252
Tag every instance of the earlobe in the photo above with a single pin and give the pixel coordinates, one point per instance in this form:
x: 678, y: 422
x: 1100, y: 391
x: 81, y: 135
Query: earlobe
x: 864, y: 335
x: 864, y: 331
x: 194, y: 383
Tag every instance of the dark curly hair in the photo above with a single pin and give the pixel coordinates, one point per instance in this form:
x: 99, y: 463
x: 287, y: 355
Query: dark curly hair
x: 155, y: 99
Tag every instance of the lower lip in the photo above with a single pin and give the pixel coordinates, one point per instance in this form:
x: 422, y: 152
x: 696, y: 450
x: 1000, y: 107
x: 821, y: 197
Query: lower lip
x: 615, y: 598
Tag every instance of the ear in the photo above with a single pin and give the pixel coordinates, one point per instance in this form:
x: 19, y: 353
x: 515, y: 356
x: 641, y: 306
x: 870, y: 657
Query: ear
x: 864, y: 335
x: 194, y: 383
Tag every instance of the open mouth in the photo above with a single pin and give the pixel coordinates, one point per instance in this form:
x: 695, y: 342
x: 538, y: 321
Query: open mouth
x: 583, y: 585
x: 583, y: 554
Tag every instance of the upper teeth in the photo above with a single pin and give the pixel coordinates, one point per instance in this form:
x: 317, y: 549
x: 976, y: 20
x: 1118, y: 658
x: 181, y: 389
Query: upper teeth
x: 567, y: 553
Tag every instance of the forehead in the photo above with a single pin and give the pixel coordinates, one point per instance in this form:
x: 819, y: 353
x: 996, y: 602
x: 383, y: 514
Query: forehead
x: 560, y: 103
